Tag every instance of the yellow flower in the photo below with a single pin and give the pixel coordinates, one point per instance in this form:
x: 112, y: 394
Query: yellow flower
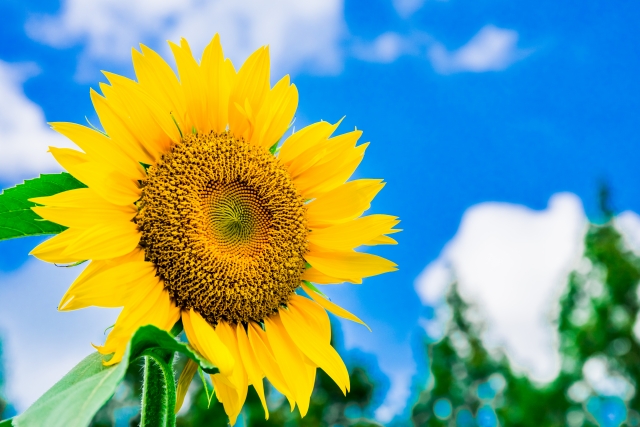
x: 192, y: 213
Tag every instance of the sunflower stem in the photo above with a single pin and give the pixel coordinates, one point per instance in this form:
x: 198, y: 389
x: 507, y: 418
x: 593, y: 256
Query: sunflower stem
x: 158, y: 391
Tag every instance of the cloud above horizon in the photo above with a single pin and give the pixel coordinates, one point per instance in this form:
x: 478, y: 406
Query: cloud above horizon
x: 512, y: 262
x: 301, y: 35
x: 24, y: 134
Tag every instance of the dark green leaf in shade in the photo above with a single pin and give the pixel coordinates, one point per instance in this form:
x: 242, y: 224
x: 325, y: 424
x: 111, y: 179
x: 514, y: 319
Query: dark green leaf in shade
x: 6, y: 423
x: 73, y: 401
x: 16, y: 217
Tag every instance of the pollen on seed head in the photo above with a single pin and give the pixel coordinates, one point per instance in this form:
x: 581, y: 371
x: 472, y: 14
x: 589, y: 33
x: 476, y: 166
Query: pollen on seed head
x: 220, y: 219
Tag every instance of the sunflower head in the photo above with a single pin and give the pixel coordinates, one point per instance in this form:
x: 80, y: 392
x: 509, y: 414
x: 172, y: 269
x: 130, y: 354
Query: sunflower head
x: 223, y: 224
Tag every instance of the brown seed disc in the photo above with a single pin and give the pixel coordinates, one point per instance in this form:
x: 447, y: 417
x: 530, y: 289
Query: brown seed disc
x: 225, y: 227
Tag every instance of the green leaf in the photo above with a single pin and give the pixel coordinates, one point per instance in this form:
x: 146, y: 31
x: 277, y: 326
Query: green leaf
x: 16, y: 217
x: 73, y: 401
x: 6, y: 423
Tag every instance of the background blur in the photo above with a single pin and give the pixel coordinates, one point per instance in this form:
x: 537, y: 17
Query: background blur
x: 504, y: 129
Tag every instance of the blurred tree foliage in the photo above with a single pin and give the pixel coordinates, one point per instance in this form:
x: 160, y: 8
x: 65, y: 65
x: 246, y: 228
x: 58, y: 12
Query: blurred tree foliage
x: 470, y: 386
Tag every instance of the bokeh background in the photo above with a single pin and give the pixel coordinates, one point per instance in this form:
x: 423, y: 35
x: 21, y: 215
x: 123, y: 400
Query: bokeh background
x: 504, y: 129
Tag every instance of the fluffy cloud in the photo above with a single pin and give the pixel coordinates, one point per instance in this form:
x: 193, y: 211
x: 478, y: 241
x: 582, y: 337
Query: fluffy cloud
x: 386, y: 48
x: 302, y: 35
x: 41, y: 344
x: 491, y: 49
x: 24, y: 135
x: 512, y: 262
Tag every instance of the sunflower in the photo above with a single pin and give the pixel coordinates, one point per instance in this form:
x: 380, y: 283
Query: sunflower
x: 198, y: 208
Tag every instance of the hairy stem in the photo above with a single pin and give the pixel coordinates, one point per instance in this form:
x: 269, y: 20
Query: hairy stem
x: 158, y: 391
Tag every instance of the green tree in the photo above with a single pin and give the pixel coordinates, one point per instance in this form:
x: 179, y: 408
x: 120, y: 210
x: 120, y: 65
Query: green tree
x: 469, y: 386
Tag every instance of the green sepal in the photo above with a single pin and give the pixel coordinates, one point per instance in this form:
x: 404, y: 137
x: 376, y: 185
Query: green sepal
x: 16, y: 217
x: 274, y: 147
x: 314, y: 289
x: 74, y: 400
x: 6, y: 423
x: 205, y: 385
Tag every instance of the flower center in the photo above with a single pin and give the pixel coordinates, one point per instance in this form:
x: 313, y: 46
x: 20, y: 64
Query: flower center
x: 238, y: 221
x: 225, y: 227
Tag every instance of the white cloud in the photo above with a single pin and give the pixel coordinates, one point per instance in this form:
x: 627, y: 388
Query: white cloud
x: 24, y: 134
x: 405, y: 8
x: 491, y: 49
x: 41, y: 344
x: 512, y: 262
x: 628, y: 224
x: 302, y: 34
x: 385, y: 48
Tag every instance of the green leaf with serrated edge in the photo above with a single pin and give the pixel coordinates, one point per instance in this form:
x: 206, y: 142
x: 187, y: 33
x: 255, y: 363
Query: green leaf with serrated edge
x: 74, y: 400
x: 16, y: 217
x: 6, y: 423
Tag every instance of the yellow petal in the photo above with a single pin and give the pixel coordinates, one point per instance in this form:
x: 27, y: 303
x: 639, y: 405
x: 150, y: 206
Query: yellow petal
x: 109, y: 183
x: 315, y: 315
x: 276, y: 114
x: 331, y: 307
x: 313, y: 275
x: 333, y: 170
x: 266, y: 359
x: 251, y: 85
x: 186, y: 376
x: 104, y: 241
x: 382, y: 240
x: 343, y: 203
x: 152, y: 125
x: 193, y: 84
x: 111, y: 287
x: 100, y: 148
x: 238, y: 378
x: 291, y: 362
x: 254, y: 372
x: 158, y: 79
x: 352, y: 234
x: 80, y: 198
x: 306, y: 139
x: 313, y: 344
x: 218, y: 79
x: 228, y: 396
x: 154, y: 308
x: 98, y: 266
x: 83, y: 217
x: 352, y: 265
x: 52, y: 250
x: 206, y: 340
x: 118, y: 127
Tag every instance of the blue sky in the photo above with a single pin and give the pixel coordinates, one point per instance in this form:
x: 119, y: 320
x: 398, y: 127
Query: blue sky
x: 464, y: 101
